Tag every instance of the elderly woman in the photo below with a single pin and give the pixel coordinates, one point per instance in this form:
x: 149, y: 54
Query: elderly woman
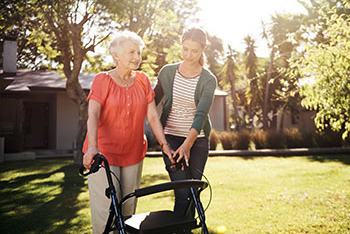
x: 119, y: 101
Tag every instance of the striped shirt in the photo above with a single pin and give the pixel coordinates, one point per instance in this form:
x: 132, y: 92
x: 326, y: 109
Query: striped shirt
x: 183, y: 107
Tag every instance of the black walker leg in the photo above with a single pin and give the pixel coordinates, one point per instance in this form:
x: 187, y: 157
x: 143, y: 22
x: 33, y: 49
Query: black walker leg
x: 113, y: 212
x: 197, y: 203
x: 110, y: 220
x: 200, y: 210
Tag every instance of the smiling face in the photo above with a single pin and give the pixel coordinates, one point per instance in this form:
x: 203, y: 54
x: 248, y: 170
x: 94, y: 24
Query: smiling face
x: 191, y: 51
x: 130, y: 56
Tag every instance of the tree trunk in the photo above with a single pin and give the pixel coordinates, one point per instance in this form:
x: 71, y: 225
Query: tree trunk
x: 81, y: 133
x: 235, y: 105
x: 251, y: 113
x: 78, y: 95
x: 267, y: 91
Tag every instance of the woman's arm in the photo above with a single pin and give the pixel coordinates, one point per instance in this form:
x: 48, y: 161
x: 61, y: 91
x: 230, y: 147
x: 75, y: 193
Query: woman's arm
x: 158, y: 90
x: 184, y: 150
x: 204, y: 104
x: 92, y: 124
x: 153, y: 120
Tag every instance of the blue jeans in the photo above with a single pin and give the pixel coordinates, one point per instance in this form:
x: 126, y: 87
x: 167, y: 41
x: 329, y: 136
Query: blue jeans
x: 198, y: 158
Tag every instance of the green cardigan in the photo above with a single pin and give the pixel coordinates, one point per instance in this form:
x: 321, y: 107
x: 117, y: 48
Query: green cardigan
x: 203, y: 96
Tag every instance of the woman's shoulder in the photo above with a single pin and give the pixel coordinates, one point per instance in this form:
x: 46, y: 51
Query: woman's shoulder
x: 207, y: 73
x: 170, y: 67
x: 208, y: 78
x: 141, y: 77
x: 101, y: 78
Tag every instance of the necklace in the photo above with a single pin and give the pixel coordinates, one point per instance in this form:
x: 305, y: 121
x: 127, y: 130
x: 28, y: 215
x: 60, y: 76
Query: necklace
x: 124, y: 82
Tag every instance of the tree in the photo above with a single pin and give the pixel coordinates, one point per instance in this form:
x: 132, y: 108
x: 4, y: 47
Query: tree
x: 279, y: 86
x: 324, y: 68
x: 63, y: 32
x: 214, y: 54
x: 64, y: 36
x: 251, y: 63
x: 230, y: 77
x: 16, y: 21
x: 314, y: 17
x: 160, y: 23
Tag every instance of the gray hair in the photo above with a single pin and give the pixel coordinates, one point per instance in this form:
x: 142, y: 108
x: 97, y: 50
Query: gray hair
x: 116, y: 44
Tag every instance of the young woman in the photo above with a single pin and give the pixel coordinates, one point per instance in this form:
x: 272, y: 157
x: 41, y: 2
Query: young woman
x: 188, y: 91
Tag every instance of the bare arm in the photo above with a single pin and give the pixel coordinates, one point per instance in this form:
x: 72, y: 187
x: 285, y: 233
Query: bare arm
x: 92, y: 124
x: 153, y: 120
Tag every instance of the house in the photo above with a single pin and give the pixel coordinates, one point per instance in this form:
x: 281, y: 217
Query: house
x: 37, y: 115
x: 36, y: 112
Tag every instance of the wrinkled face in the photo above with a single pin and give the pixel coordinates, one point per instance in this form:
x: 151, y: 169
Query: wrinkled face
x: 191, y: 51
x: 130, y: 56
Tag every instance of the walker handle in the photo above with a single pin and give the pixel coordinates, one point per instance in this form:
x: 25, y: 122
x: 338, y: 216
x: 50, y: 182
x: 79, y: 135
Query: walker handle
x: 94, y: 167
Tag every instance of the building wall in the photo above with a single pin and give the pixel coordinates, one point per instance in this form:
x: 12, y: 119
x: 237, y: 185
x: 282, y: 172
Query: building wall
x: 218, y: 114
x: 67, y: 122
x: 304, y: 121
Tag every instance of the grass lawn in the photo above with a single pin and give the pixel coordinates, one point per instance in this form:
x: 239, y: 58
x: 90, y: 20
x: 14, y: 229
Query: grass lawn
x: 255, y: 195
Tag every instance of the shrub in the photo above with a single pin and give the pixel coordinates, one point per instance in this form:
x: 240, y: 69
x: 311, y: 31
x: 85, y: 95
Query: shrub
x: 275, y: 139
x: 227, y: 140
x: 259, y: 138
x: 214, y: 139
x: 243, y: 140
x: 309, y: 139
x: 328, y: 138
x: 293, y: 138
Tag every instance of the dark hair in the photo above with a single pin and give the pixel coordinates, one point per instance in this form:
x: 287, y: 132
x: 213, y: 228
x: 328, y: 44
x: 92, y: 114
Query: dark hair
x: 197, y: 35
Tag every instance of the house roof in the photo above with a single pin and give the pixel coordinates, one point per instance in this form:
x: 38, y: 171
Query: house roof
x: 220, y: 93
x: 27, y: 80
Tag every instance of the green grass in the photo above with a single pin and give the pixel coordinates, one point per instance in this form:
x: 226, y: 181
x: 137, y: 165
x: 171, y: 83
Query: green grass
x: 250, y: 195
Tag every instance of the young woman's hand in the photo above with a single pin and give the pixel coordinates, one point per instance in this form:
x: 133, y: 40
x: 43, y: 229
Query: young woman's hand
x: 184, y: 152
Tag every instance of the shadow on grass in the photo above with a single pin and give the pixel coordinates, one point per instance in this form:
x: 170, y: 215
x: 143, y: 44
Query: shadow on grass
x: 148, y: 180
x: 342, y: 158
x: 45, y: 207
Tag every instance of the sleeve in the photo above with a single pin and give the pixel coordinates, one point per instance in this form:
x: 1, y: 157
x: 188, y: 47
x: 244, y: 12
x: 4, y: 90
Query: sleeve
x: 158, y: 90
x: 147, y: 88
x: 99, y: 88
x: 204, y: 105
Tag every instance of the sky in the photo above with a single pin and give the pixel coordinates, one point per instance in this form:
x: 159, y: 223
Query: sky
x: 232, y: 20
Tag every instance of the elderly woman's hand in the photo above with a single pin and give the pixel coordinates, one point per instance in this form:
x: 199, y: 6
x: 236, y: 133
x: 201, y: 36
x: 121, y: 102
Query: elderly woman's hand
x: 88, y: 156
x: 168, y: 151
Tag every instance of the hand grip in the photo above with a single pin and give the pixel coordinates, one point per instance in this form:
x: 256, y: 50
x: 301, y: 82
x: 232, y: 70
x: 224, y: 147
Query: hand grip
x: 94, y: 167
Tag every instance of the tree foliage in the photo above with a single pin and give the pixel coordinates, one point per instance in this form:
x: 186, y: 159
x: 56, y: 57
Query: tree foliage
x: 230, y: 78
x: 279, y: 88
x: 325, y: 69
x: 159, y: 22
x: 16, y: 21
x: 251, y: 65
x: 214, y: 55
